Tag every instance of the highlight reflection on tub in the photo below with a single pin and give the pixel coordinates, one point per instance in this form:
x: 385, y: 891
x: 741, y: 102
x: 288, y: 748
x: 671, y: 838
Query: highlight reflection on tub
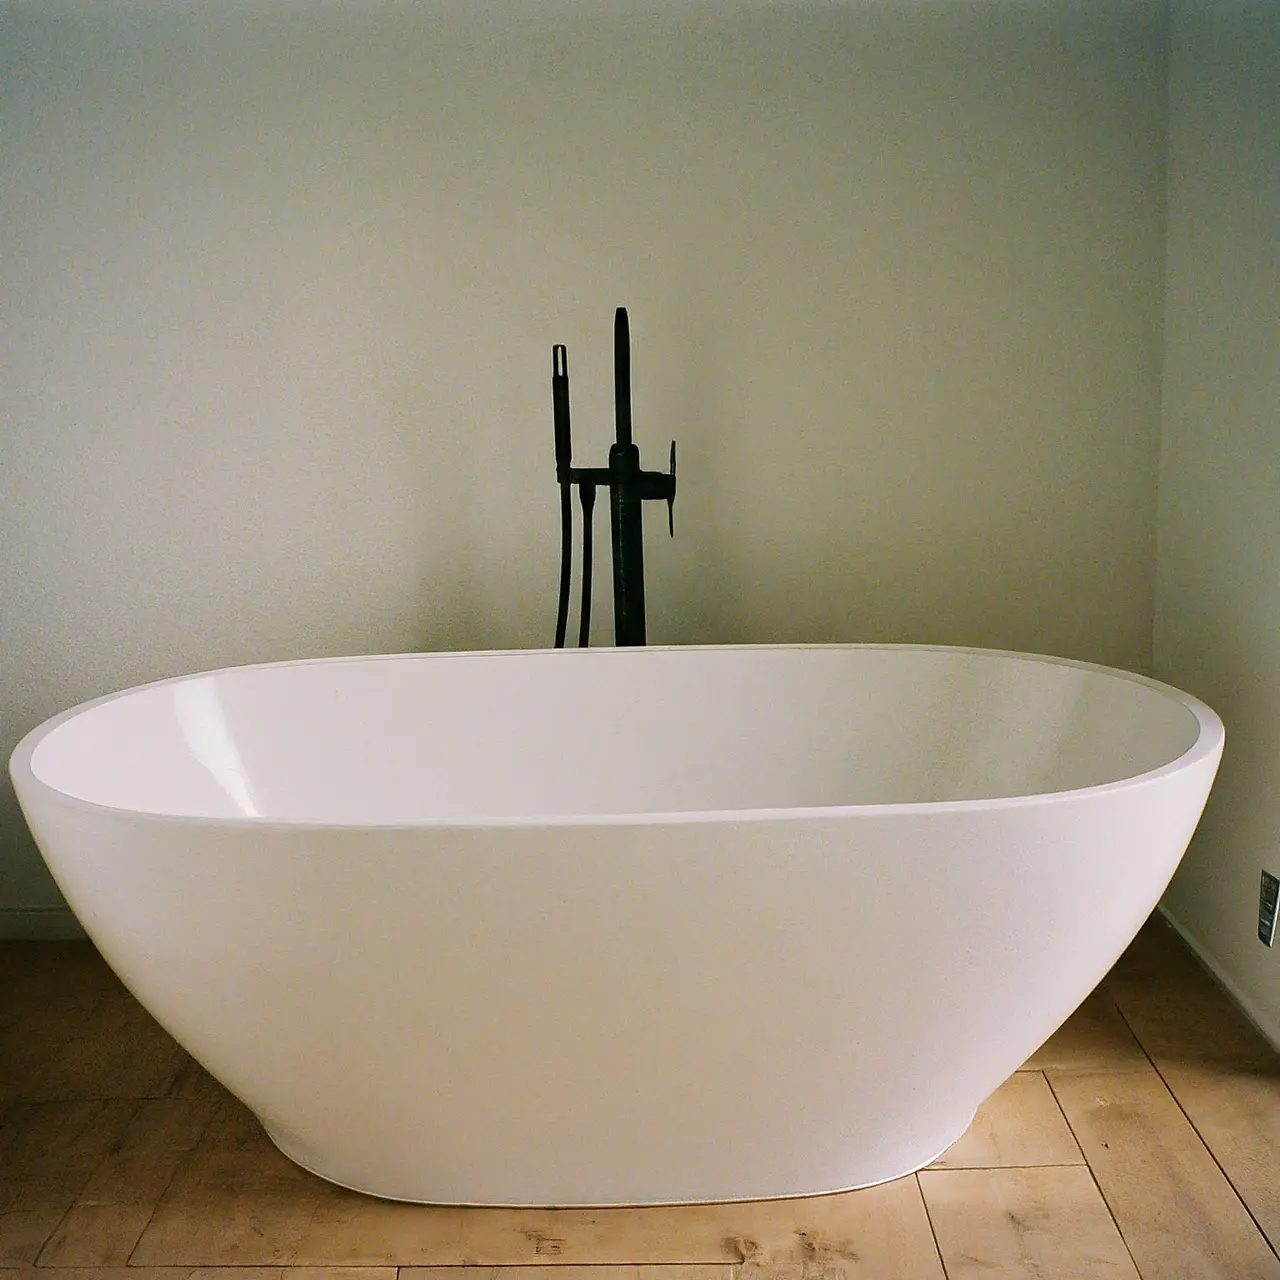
x: 619, y: 926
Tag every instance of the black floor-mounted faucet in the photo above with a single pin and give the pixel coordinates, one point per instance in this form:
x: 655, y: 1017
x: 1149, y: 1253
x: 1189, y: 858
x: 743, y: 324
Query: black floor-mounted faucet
x: 628, y: 486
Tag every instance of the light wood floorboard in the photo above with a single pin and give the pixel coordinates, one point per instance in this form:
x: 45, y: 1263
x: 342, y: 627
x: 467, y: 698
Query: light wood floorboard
x: 1176, y: 1209
x: 234, y: 1201
x: 205, y: 1273
x: 1236, y: 1111
x: 1142, y: 1139
x: 1095, y: 1038
x: 103, y: 1226
x: 1176, y: 1010
x: 872, y: 1228
x: 48, y: 1151
x: 1020, y: 1124
x: 1225, y: 1077
x: 1050, y: 1223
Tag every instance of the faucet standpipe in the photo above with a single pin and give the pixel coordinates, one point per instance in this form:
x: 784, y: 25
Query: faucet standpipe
x: 629, y: 486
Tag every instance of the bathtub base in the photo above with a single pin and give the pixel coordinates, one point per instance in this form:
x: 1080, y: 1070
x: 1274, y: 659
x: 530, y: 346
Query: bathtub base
x: 316, y: 1164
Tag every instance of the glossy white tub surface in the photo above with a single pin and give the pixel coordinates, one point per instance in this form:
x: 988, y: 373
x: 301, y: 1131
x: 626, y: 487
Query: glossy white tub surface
x: 619, y: 926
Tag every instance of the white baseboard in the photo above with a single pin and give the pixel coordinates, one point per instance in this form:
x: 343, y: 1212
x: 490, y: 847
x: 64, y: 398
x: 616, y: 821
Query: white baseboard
x: 38, y: 924
x: 1266, y: 1021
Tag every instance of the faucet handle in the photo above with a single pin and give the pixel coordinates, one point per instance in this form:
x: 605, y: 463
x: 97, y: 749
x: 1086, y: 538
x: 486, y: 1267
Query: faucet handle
x: 651, y: 485
x: 671, y: 495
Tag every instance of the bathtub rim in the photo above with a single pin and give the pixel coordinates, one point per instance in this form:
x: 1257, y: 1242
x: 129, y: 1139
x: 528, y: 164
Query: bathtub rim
x: 1209, y: 741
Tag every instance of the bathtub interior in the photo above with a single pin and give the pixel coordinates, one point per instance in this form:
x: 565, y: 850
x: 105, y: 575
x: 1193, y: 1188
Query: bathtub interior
x: 473, y: 738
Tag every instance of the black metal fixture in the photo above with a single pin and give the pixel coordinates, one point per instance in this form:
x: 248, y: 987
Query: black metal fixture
x: 628, y: 487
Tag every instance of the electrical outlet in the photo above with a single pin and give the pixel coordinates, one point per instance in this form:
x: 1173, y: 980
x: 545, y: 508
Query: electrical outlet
x: 1268, y: 899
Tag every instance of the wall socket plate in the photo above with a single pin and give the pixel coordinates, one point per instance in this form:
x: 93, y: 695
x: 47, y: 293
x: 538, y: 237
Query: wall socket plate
x: 1268, y: 899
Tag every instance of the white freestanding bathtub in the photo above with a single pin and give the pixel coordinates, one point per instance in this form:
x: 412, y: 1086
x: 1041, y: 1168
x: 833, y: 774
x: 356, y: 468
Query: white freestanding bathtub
x: 619, y: 926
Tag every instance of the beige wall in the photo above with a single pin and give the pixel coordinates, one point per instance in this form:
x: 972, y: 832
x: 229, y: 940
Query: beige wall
x: 279, y: 284
x: 1218, y: 612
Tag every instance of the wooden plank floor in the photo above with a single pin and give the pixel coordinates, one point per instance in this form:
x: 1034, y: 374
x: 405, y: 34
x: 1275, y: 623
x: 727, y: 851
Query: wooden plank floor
x: 1142, y: 1141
